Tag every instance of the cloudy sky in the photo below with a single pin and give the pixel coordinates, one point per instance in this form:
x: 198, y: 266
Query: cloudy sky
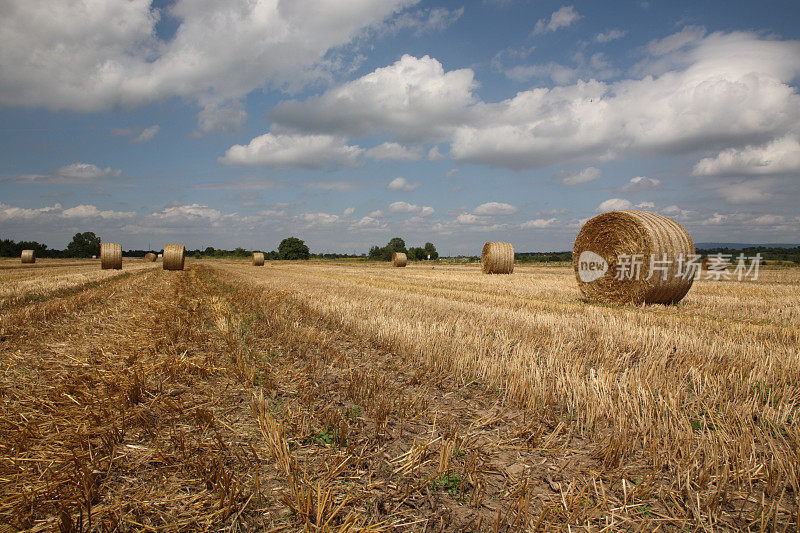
x: 241, y: 122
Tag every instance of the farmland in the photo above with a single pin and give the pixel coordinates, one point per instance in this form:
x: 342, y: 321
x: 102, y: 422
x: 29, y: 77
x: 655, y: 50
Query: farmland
x: 349, y: 396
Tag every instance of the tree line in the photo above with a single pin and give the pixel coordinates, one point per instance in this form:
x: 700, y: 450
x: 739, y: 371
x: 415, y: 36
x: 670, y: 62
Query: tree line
x: 428, y: 251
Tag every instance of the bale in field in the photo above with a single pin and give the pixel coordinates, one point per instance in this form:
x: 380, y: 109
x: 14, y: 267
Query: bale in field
x: 258, y: 259
x: 174, y: 256
x: 111, y: 256
x: 497, y: 258
x: 28, y: 256
x: 399, y: 259
x: 149, y: 257
x: 632, y: 257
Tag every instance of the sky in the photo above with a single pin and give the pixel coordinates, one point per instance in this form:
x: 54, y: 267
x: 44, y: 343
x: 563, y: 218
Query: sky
x: 242, y: 122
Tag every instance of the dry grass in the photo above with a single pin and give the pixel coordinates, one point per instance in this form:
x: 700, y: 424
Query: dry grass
x: 331, y: 397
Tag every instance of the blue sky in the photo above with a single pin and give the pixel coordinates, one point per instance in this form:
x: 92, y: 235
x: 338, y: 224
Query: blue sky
x: 240, y: 123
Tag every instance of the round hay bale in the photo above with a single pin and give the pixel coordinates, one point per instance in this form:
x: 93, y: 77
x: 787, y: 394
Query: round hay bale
x: 28, y: 256
x: 632, y: 257
x: 258, y: 259
x: 110, y: 256
x: 399, y: 259
x: 149, y: 257
x: 174, y: 256
x: 497, y: 258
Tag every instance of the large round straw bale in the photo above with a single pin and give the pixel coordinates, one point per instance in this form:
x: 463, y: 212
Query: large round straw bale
x: 632, y: 257
x: 28, y: 256
x: 258, y: 259
x: 497, y: 258
x: 174, y: 256
x: 399, y: 259
x: 149, y: 257
x: 110, y: 256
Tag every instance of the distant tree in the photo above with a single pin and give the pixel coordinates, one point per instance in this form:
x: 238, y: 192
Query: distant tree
x: 272, y: 255
x: 241, y: 252
x: 397, y: 245
x: 375, y: 253
x: 209, y: 251
x: 84, y: 244
x: 293, y: 248
x: 430, y: 250
x: 417, y: 254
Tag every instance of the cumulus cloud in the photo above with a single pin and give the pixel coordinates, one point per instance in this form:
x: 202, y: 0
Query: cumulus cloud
x: 12, y: 213
x: 376, y: 214
x: 610, y: 35
x: 718, y: 73
x: 222, y: 118
x: 414, y: 99
x: 313, y: 152
x: 348, y: 212
x: 614, y: 204
x: 147, y: 134
x: 401, y: 184
x: 585, y: 175
x: 423, y: 21
x: 91, y: 56
x: 538, y: 223
x: 337, y: 186
x: 406, y: 208
x: 391, y: 151
x: 494, y: 208
x: 560, y: 19
x: 780, y: 156
x: 641, y: 183
x: 76, y: 173
x: 188, y: 213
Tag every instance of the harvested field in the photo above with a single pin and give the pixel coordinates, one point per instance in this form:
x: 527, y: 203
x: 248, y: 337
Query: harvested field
x: 335, y: 397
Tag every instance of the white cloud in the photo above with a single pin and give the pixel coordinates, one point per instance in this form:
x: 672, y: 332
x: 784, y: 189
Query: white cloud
x: 319, y: 219
x: 538, y: 223
x: 641, y: 183
x: 89, y: 56
x: 768, y: 220
x: 90, y: 211
x: 434, y: 154
x: 423, y: 20
x: 414, y: 99
x: 780, y: 156
x: 226, y: 118
x: 468, y: 218
x: 562, y: 18
x: 401, y: 184
x: 147, y: 134
x: 747, y: 192
x: 391, y: 151
x: 376, y: 214
x: 610, y: 35
x: 188, y: 213
x: 580, y: 177
x: 11, y: 213
x: 495, y: 208
x: 294, y: 151
x: 368, y: 222
x: 75, y: 173
x: 614, y: 204
x: 348, y: 211
x: 598, y: 121
x: 690, y: 35
x: 405, y: 207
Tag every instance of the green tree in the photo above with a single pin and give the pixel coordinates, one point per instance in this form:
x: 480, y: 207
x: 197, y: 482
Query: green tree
x: 293, y: 248
x: 417, y: 254
x: 397, y: 245
x: 84, y: 244
x: 209, y: 251
x: 430, y: 250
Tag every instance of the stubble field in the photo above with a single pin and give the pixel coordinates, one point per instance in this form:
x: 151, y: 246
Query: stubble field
x: 328, y: 396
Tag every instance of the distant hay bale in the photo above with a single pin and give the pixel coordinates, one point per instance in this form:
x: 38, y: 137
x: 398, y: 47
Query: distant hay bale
x: 632, y: 257
x: 399, y: 259
x: 28, y: 256
x: 497, y: 258
x: 174, y: 256
x: 111, y: 256
x: 149, y: 257
x: 258, y: 259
